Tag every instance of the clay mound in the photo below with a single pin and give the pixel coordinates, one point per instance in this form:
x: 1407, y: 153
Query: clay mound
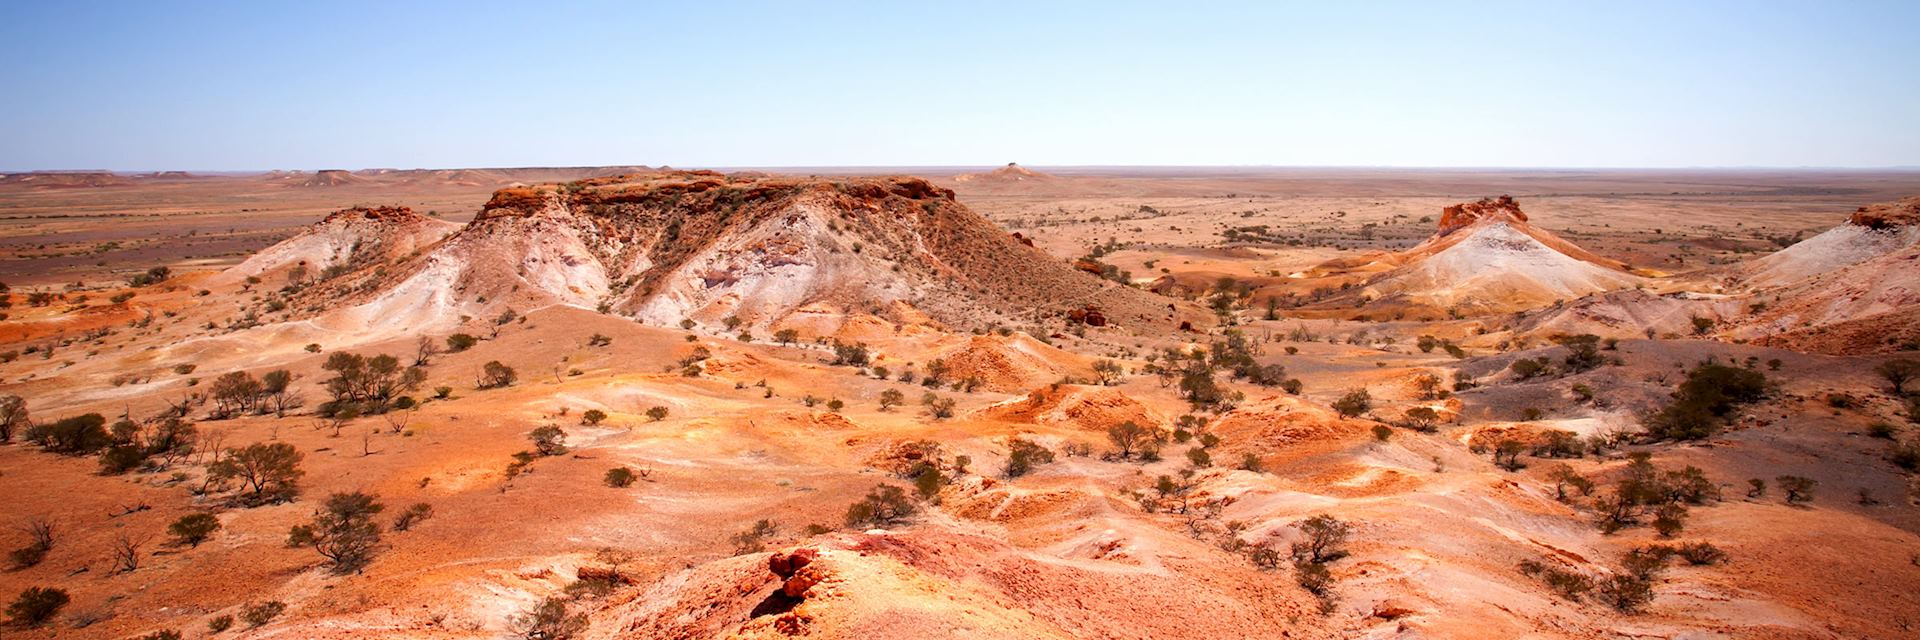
x: 927, y: 584
x: 667, y: 246
x: 1869, y: 307
x: 347, y: 239
x: 1011, y: 174
x: 1625, y: 314
x: 1872, y: 231
x: 1288, y: 425
x: 1485, y: 257
x: 1074, y: 406
x: 64, y: 179
x: 1013, y: 363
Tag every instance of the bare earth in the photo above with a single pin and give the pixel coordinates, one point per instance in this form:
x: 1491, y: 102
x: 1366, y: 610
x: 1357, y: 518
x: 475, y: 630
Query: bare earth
x: 1025, y: 285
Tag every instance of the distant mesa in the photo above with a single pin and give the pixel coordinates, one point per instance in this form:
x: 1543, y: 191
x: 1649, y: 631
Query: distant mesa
x: 332, y: 178
x: 65, y: 179
x: 1012, y: 173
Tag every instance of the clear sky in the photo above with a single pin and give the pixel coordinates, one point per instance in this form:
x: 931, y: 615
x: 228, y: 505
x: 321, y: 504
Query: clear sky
x: 261, y: 85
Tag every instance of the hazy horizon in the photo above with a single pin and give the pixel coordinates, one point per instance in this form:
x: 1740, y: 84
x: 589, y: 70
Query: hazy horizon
x: 240, y: 87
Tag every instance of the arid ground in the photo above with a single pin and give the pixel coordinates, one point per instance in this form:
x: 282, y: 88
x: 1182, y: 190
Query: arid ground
x: 961, y: 403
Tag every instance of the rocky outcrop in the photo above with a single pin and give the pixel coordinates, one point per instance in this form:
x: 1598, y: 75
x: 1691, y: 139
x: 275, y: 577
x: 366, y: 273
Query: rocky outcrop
x: 1459, y: 216
x: 378, y: 214
x: 1905, y: 213
x: 791, y: 566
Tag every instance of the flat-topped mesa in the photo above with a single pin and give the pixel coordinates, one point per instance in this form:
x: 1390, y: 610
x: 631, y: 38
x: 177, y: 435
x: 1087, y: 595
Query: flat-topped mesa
x: 1459, y: 216
x: 692, y: 188
x: 1904, y: 213
x: 383, y: 213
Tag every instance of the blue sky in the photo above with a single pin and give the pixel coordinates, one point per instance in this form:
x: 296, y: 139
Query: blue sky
x: 261, y: 85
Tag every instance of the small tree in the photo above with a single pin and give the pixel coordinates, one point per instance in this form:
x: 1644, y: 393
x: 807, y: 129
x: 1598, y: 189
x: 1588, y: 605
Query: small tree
x: 1356, y: 402
x: 494, y: 375
x: 656, y: 413
x: 549, y: 440
x: 1506, y: 454
x: 1326, y: 539
x: 1129, y: 438
x: 891, y: 398
x: 344, y: 531
x: 268, y: 472
x: 193, y: 529
x: 1108, y: 372
x: 1898, y: 373
x: 592, y: 417
x: 786, y: 336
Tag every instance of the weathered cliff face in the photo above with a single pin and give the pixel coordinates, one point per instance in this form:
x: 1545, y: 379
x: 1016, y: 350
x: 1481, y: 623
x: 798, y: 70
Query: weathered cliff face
x: 1456, y: 217
x: 664, y: 247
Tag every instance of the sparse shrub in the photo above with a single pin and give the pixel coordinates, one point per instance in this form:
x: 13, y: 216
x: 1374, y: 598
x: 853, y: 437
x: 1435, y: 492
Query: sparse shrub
x: 36, y: 605
x: 620, y: 477
x: 413, y: 515
x: 219, y: 624
x: 891, y: 398
x: 549, y: 620
x: 1023, y: 455
x: 1506, y: 454
x: 1701, y: 553
x: 193, y: 529
x: 592, y: 417
x: 1527, y: 368
x: 1799, y: 488
x: 656, y: 413
x: 884, y: 505
x: 257, y: 615
x: 1705, y: 400
x: 752, y: 539
x: 1356, y: 402
x: 461, y: 342
x: 165, y: 634
x: 77, y: 435
x: 1382, y: 432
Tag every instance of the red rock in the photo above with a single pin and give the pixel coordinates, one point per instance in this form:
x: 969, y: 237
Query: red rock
x: 1458, y: 216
